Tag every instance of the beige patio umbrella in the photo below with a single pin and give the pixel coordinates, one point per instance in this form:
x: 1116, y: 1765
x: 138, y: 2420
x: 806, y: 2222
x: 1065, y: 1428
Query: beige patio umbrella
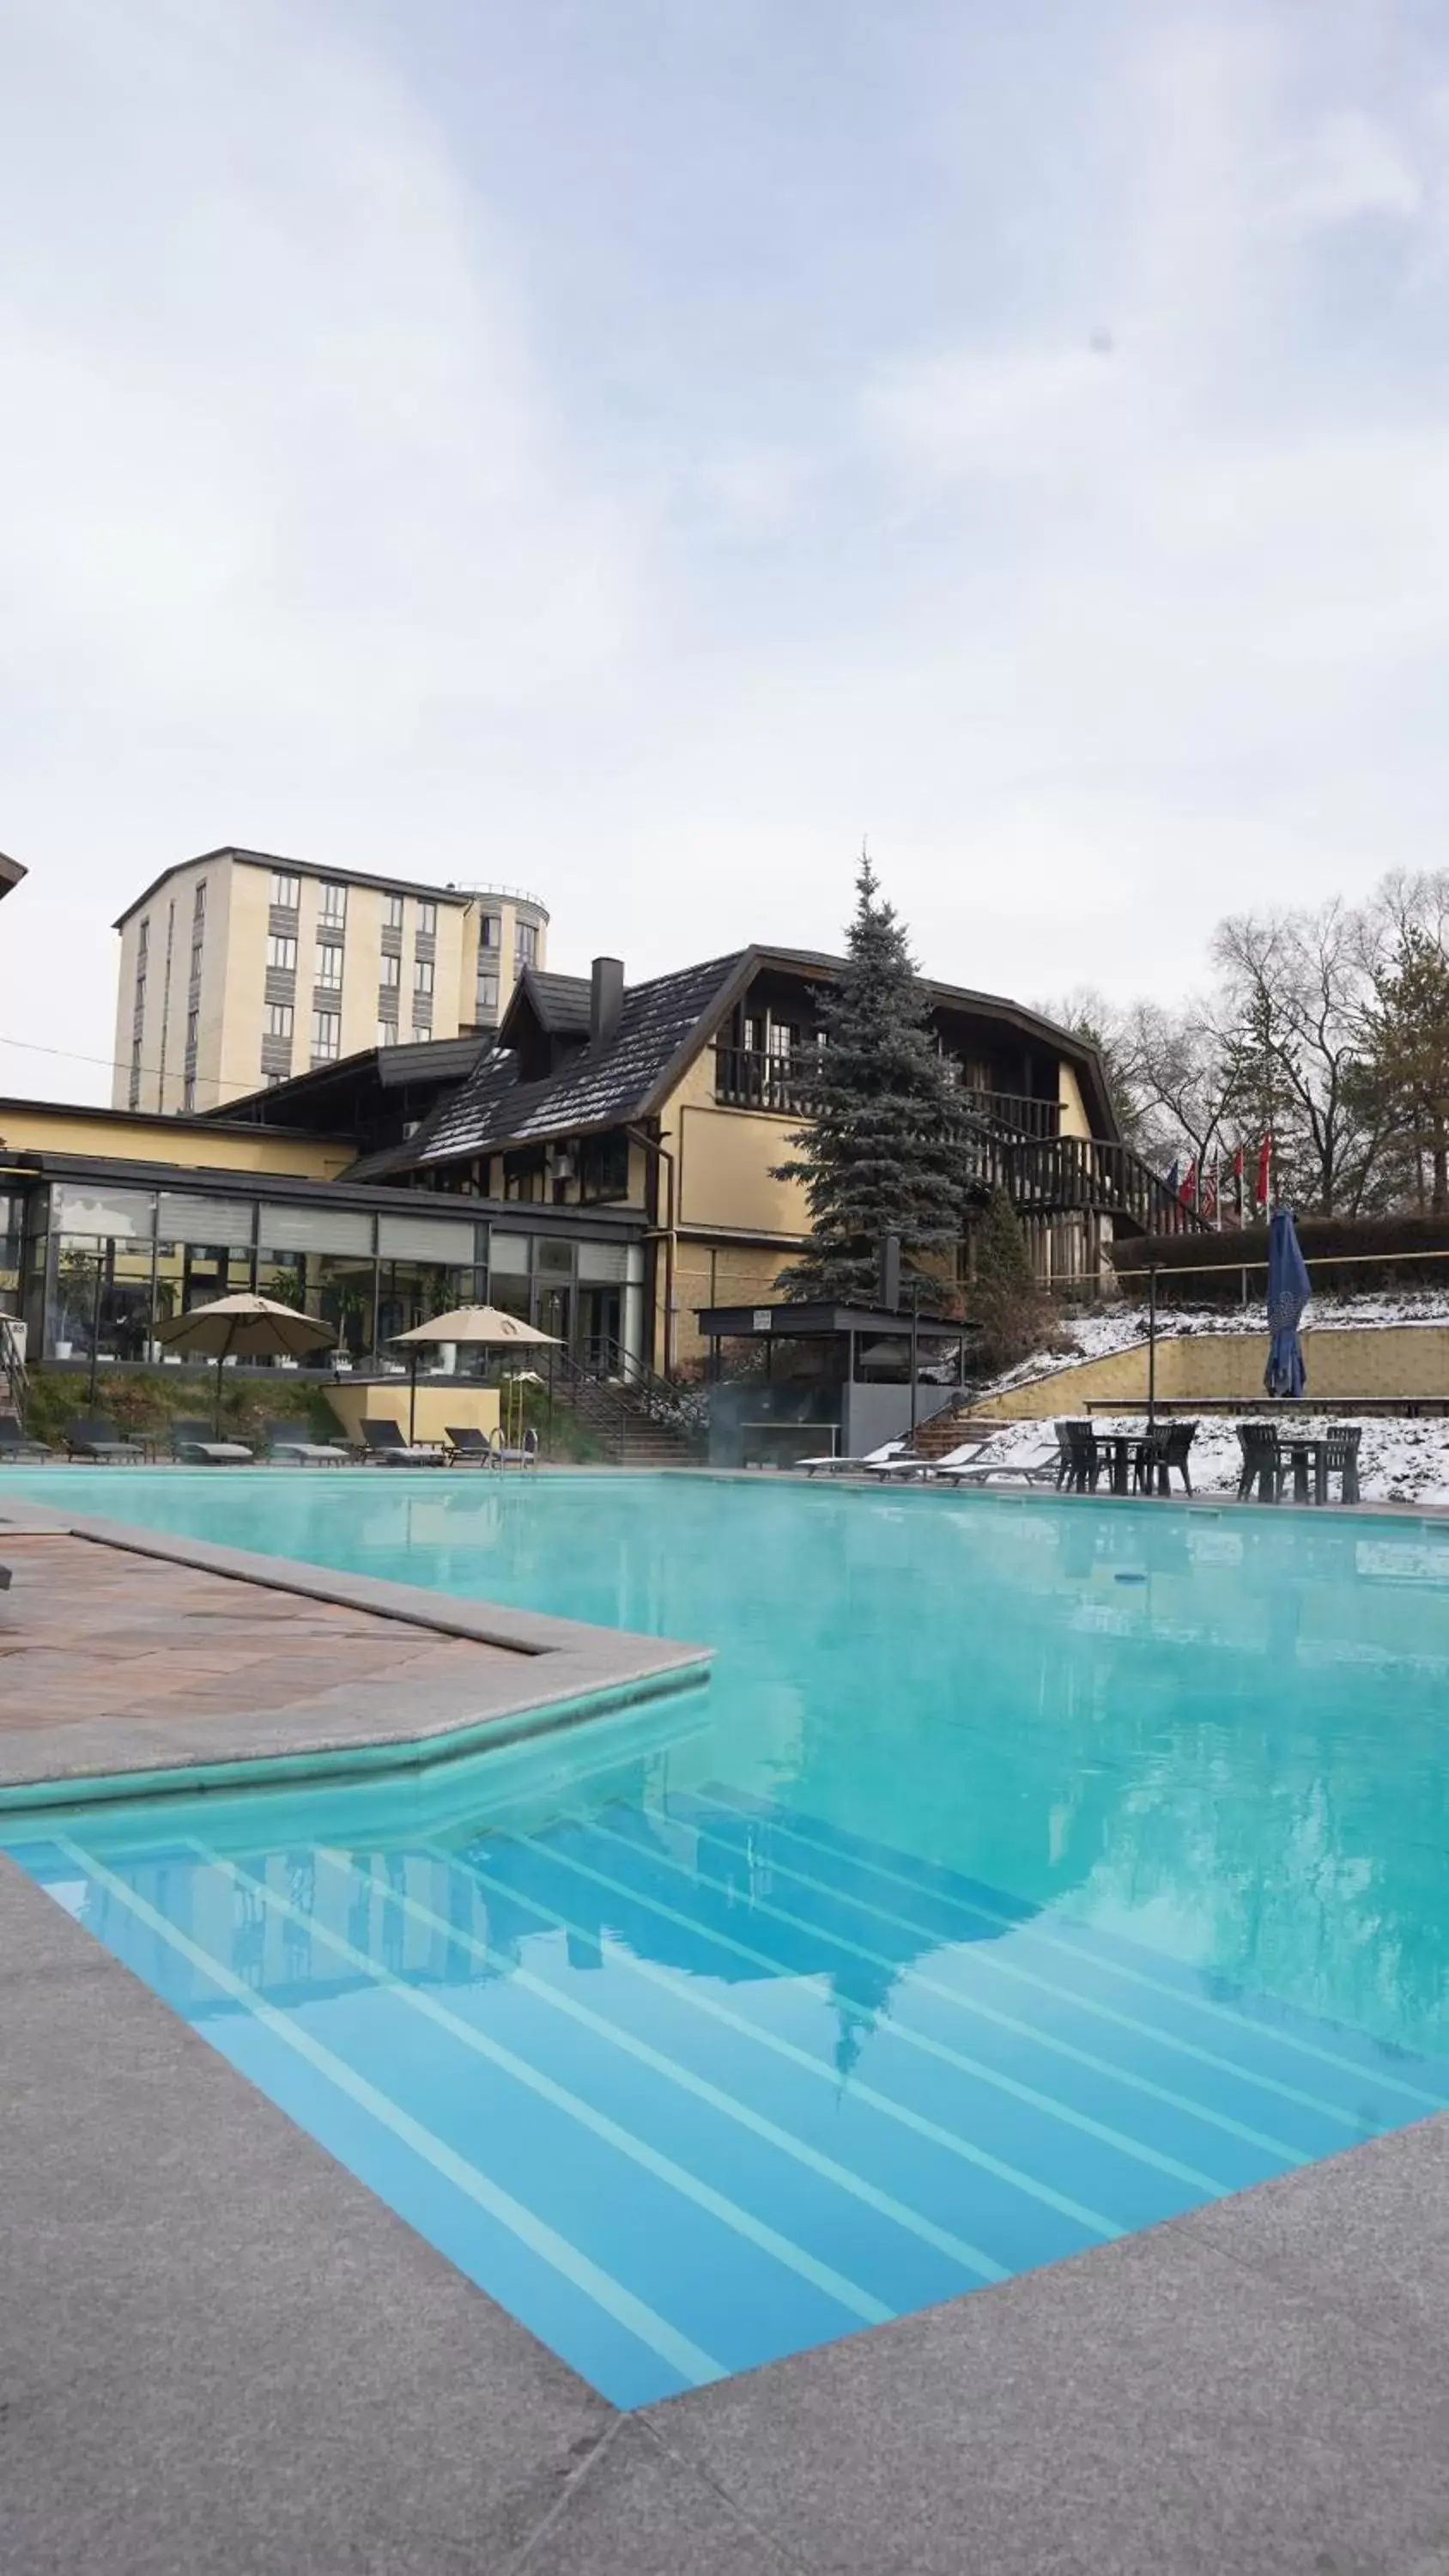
x: 486, y: 1327
x: 244, y: 1328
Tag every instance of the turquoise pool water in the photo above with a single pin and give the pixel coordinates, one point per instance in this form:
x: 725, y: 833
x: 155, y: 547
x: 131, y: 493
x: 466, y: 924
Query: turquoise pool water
x: 1028, y: 1872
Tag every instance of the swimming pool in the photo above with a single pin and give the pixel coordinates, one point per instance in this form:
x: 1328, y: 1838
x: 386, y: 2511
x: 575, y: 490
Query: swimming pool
x: 1028, y: 1872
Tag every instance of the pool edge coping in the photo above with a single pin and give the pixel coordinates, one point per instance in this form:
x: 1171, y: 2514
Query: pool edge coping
x: 564, y: 1671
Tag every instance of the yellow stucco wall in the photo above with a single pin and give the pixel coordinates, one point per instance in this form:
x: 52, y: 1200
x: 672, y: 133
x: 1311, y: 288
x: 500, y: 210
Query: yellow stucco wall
x: 726, y: 1161
x: 27, y: 1127
x: 1075, y: 1121
x: 456, y: 1403
x: 1403, y: 1360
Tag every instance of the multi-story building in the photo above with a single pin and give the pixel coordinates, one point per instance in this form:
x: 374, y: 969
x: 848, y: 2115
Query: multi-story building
x: 239, y: 969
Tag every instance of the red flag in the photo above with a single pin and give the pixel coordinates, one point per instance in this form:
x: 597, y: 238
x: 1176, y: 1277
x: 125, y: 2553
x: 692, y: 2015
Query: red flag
x: 1265, y: 1171
x: 1208, y: 1195
x: 1188, y: 1191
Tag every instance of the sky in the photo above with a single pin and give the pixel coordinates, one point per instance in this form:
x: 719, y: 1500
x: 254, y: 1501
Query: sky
x: 637, y: 452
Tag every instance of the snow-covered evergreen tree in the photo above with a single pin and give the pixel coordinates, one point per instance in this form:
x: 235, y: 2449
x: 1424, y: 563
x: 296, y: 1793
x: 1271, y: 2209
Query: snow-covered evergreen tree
x: 882, y: 1152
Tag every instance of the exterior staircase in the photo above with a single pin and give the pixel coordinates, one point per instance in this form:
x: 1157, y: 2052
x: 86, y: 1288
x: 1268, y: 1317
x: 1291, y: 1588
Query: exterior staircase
x: 951, y: 1429
x: 620, y: 1413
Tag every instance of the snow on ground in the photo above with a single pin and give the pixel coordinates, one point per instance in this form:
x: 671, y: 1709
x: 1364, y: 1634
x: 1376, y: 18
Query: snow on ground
x: 1402, y: 1462
x: 1120, y: 1328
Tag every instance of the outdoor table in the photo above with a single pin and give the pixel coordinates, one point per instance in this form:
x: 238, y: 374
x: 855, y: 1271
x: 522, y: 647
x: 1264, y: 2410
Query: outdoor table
x: 1301, y: 1452
x: 1121, y: 1447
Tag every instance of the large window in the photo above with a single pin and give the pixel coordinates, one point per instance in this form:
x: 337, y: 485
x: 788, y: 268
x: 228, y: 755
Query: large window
x: 198, y: 909
x: 525, y: 943
x: 326, y: 1036
x: 425, y: 1266
x: 286, y: 890
x: 422, y: 974
x: 320, y: 1260
x: 329, y: 965
x: 392, y: 912
x: 282, y: 953
x: 427, y: 917
x: 389, y: 972
x: 387, y: 1033
x: 277, y: 1020
x: 332, y: 905
x: 196, y: 963
x: 487, y: 995
x: 490, y: 931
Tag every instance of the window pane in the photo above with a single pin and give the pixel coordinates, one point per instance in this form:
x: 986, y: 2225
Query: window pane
x: 333, y: 904
x: 603, y: 1261
x: 278, y: 1020
x: 389, y: 970
x: 427, y: 918
x: 308, y: 1229
x: 550, y: 1253
x: 422, y: 974
x: 285, y: 891
x: 393, y: 912
x: 329, y: 964
x: 282, y: 952
x: 509, y: 1253
x: 447, y: 1239
x: 127, y: 1213
x: 182, y: 1217
x: 326, y: 1036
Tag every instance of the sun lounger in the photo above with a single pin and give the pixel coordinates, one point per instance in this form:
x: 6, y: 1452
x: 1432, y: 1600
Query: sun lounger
x: 850, y: 1466
x: 526, y: 1456
x: 289, y: 1440
x: 14, y: 1445
x: 1043, y: 1468
x: 197, y: 1444
x: 386, y: 1447
x: 468, y: 1447
x: 93, y: 1437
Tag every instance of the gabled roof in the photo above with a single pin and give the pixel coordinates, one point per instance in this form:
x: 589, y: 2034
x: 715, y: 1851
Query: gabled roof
x: 561, y: 1003
x: 604, y: 1086
x: 329, y: 1092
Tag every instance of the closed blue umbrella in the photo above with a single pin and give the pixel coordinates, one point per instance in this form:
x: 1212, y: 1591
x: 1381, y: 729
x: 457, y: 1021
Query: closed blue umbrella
x: 1288, y: 1291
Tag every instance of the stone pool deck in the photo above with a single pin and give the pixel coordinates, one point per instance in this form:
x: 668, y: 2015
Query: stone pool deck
x: 219, y: 2351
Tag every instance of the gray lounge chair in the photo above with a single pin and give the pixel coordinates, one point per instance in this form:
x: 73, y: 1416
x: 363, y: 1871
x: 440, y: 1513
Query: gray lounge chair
x: 1044, y: 1467
x: 197, y: 1444
x: 469, y: 1447
x: 386, y: 1446
x: 289, y: 1440
x: 526, y: 1456
x: 93, y: 1436
x: 14, y: 1445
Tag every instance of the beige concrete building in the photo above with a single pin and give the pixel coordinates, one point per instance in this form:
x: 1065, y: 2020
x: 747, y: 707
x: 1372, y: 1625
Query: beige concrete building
x: 240, y: 969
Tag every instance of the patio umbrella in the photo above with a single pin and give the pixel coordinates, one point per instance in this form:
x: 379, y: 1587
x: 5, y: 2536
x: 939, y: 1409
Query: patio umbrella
x: 1288, y: 1292
x: 244, y: 1328
x: 486, y: 1327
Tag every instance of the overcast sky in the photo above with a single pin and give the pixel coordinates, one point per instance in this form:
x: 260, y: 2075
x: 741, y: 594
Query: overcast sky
x: 633, y: 448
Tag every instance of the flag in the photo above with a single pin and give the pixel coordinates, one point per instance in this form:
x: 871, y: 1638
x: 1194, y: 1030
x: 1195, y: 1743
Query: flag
x: 1265, y: 1171
x: 1188, y: 1191
x: 1208, y: 1195
x: 1172, y: 1181
x: 1238, y: 1180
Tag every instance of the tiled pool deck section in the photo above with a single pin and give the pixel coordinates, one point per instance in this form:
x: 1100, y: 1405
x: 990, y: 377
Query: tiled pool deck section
x: 219, y: 2350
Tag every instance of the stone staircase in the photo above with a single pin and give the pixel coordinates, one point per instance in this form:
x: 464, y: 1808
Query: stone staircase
x: 617, y: 1417
x: 951, y: 1429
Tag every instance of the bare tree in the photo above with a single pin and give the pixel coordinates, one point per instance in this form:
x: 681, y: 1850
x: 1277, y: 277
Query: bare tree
x: 1176, y: 1066
x: 1290, y: 1019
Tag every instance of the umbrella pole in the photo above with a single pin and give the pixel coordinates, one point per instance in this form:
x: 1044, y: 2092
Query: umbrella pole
x: 1151, y: 1348
x: 413, y: 1399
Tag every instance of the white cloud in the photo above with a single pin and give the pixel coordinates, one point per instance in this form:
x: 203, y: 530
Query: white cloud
x: 1350, y: 166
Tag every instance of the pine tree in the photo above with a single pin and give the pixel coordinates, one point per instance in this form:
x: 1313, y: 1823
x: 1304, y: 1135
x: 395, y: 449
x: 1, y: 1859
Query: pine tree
x: 882, y: 1153
x: 1004, y: 1298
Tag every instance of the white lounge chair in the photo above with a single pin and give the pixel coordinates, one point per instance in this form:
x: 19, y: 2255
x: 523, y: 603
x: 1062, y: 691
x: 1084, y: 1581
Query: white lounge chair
x: 1043, y: 1468
x: 900, y: 1470
x: 850, y: 1466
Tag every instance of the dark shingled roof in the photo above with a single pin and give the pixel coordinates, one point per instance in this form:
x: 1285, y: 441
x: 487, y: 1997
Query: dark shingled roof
x: 601, y: 1087
x: 561, y: 1002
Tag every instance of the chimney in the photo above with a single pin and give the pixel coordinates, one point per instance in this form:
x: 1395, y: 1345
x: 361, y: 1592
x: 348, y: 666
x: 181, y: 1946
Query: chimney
x: 606, y: 998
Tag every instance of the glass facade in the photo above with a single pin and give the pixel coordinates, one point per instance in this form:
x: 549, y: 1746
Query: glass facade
x: 95, y: 1269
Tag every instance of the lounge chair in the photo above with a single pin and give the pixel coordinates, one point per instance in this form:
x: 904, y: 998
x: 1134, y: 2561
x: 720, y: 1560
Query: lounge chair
x: 197, y: 1444
x: 881, y: 1457
x: 901, y: 1470
x: 14, y: 1445
x: 526, y: 1456
x: 386, y: 1447
x: 468, y: 1447
x: 1264, y: 1464
x: 288, y: 1440
x: 1043, y: 1467
x: 96, y: 1438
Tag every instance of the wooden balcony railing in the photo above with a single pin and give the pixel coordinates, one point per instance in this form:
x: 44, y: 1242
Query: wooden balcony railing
x: 1011, y: 1109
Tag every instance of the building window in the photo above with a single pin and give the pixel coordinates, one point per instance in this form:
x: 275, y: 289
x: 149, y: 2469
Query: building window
x: 427, y: 918
x: 326, y: 1036
x: 140, y: 992
x: 329, y: 966
x: 198, y: 909
x: 487, y: 996
x: 188, y: 1093
x: 333, y: 905
x: 422, y: 974
x: 392, y: 912
x: 143, y: 944
x: 133, y: 1095
x: 282, y: 953
x: 389, y: 972
x: 525, y: 943
x: 196, y: 963
x: 192, y: 1018
x: 277, y: 1020
x: 604, y: 1167
x: 286, y: 890
x: 387, y: 1036
x: 490, y: 931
